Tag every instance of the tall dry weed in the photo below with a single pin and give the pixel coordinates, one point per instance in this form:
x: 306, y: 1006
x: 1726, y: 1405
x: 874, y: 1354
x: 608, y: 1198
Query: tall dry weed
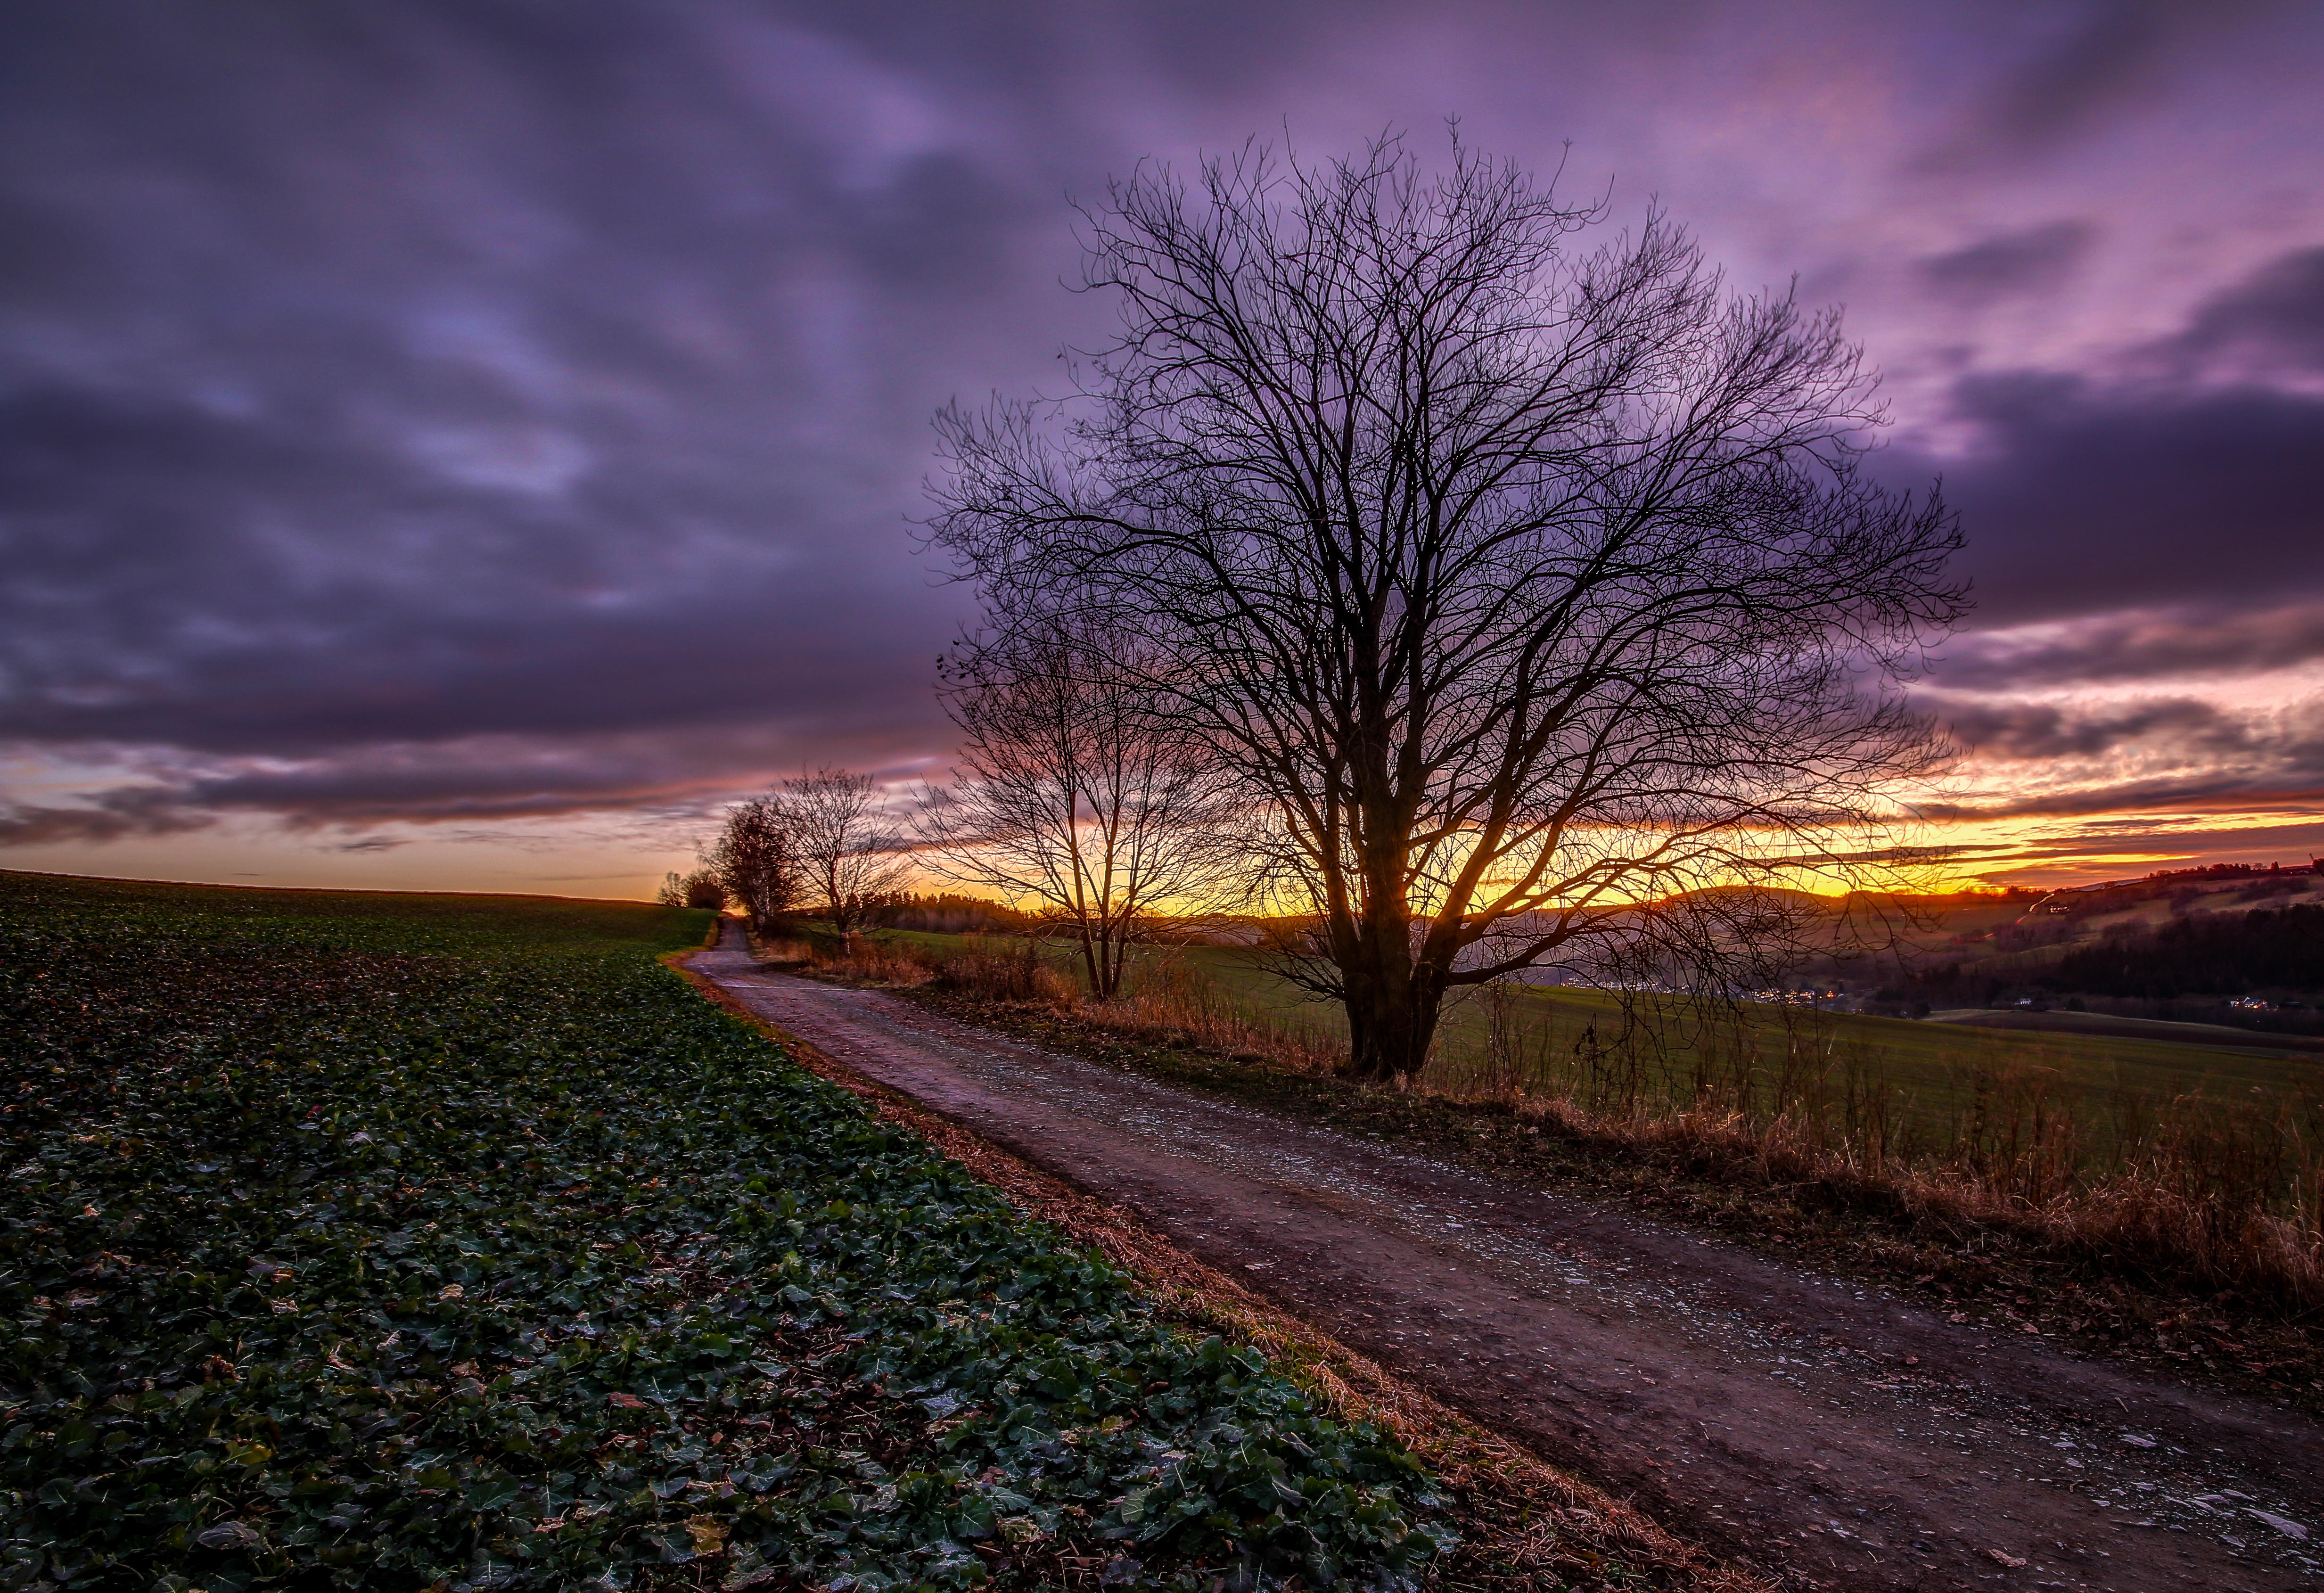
x: 2217, y: 1194
x: 1173, y: 1003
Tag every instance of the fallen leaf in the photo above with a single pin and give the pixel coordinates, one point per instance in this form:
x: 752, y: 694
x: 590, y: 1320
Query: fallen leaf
x: 228, y: 1535
x: 2290, y: 1529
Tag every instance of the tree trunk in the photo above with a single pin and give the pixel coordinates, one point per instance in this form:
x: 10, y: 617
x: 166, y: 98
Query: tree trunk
x: 1090, y: 964
x: 1392, y: 1001
x: 1391, y: 1023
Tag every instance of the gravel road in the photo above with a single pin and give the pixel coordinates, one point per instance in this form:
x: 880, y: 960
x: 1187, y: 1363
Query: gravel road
x: 1827, y: 1433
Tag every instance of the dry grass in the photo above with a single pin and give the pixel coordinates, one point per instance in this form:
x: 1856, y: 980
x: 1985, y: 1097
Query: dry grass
x: 2195, y: 1190
x: 1527, y: 1525
x: 852, y: 960
x: 1172, y: 1004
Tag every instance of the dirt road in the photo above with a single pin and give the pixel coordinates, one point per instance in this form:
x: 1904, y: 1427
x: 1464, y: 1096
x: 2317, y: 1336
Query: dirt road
x: 1827, y: 1434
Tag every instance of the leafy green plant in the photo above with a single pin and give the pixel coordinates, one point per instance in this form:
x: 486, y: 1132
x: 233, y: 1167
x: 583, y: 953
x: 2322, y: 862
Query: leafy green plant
x: 442, y: 1243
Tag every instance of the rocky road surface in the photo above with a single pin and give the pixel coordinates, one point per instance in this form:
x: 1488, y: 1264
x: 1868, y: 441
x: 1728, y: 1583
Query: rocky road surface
x: 1827, y: 1434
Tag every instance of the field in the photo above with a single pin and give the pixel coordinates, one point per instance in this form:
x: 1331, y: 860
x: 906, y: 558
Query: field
x: 1648, y: 1054
x: 428, y: 1243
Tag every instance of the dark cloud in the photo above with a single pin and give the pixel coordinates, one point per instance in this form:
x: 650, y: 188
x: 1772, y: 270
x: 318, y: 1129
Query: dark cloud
x: 2172, y: 480
x: 2171, y: 754
x: 2089, y: 63
x: 468, y: 410
x: 2203, y: 794
x: 110, y: 816
x: 2042, y: 730
x: 2271, y: 324
x: 2085, y: 495
x: 2083, y: 71
x: 2136, y: 646
x: 2035, y: 261
x: 484, y: 779
x: 470, y: 371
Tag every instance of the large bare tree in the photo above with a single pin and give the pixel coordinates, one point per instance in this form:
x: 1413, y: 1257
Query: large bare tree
x: 1071, y: 792
x: 1533, y: 591
x: 847, y: 846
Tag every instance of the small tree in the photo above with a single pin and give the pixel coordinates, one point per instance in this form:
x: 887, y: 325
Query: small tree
x: 700, y: 888
x: 756, y: 861
x: 845, y: 846
x: 1071, y: 791
x: 1527, y: 592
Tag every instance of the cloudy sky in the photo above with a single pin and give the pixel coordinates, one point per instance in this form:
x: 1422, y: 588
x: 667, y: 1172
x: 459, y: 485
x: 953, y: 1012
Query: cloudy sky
x: 459, y: 444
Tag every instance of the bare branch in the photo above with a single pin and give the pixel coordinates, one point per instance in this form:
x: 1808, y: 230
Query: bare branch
x: 1519, y: 585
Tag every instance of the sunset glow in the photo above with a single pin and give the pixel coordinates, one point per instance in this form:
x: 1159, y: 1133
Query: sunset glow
x: 464, y: 447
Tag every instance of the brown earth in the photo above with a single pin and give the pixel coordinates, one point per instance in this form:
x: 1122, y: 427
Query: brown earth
x: 1825, y: 1433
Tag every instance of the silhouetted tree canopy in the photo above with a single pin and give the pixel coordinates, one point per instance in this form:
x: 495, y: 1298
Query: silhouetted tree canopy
x: 1518, y: 583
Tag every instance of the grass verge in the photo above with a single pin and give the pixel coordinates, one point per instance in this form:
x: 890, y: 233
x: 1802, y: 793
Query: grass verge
x: 452, y: 1244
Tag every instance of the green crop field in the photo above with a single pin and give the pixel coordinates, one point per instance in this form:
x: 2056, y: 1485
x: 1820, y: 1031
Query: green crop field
x: 437, y: 1242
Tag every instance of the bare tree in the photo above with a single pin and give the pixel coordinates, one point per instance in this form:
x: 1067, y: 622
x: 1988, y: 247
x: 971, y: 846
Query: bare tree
x: 1071, y: 792
x: 756, y: 861
x: 1534, y: 596
x: 844, y: 841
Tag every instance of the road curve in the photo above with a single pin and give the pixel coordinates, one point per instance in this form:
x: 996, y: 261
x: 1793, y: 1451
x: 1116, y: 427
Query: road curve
x: 1826, y: 1433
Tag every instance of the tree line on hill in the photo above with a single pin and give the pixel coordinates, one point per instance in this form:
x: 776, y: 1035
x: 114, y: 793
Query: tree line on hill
x: 2275, y: 952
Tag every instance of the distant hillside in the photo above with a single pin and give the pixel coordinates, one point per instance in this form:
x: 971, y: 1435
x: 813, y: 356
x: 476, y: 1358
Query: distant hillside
x: 2266, y: 949
x: 2222, y: 955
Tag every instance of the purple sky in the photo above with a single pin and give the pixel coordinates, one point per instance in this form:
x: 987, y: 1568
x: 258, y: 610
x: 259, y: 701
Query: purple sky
x: 461, y: 444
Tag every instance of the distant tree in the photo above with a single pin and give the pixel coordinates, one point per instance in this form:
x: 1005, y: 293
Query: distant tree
x: 2221, y: 954
x: 756, y: 861
x: 846, y: 847
x: 1535, y: 597
x: 945, y: 912
x: 700, y: 888
x: 1071, y: 792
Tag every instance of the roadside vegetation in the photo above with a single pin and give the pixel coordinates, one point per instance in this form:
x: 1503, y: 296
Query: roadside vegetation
x: 424, y: 1242
x: 1989, y: 1170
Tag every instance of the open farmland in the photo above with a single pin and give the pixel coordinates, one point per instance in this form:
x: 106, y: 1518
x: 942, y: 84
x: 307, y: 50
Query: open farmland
x: 1645, y: 1053
x: 450, y: 1242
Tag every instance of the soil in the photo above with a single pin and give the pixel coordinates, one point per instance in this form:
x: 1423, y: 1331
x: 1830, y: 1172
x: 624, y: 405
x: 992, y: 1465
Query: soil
x: 1828, y: 1432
